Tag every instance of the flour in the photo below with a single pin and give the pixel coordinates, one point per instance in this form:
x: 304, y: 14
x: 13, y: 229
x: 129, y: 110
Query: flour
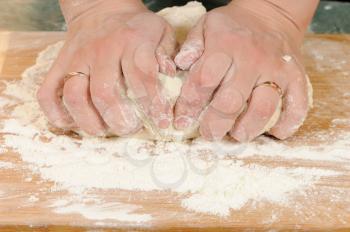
x: 135, y: 164
x: 183, y: 18
x: 33, y: 199
x: 171, y: 87
x: 101, y: 211
x: 208, y: 177
x: 6, y: 165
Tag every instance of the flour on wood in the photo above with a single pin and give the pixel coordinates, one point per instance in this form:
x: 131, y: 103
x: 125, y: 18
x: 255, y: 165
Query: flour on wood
x: 204, y: 177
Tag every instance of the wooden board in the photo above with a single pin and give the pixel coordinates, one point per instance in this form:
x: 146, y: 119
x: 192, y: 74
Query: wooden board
x: 327, y: 60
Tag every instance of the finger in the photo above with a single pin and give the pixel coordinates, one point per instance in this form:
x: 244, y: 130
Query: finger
x: 50, y: 93
x: 295, y: 105
x: 228, y: 102
x: 165, y: 52
x: 77, y: 100
x: 262, y: 113
x: 109, y: 96
x: 199, y: 87
x: 193, y: 47
x: 140, y: 69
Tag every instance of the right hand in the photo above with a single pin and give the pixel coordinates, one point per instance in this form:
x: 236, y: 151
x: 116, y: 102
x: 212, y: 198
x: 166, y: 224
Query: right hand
x: 119, y: 50
x: 230, y: 52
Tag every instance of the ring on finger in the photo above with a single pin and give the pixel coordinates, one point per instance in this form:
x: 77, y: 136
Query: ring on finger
x: 75, y: 74
x: 272, y: 85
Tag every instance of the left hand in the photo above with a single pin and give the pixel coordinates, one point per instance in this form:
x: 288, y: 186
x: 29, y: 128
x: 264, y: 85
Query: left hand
x: 231, y: 53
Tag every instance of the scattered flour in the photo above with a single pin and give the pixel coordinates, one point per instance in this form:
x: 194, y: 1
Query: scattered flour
x: 210, y: 177
x: 28, y: 179
x: 101, y: 211
x: 6, y: 165
x: 135, y: 164
x: 341, y: 121
x: 33, y: 199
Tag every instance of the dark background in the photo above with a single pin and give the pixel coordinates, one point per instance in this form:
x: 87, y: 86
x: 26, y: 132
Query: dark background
x: 209, y: 4
x: 45, y: 15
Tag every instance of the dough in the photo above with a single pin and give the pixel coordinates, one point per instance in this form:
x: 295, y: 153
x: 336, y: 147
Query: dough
x: 171, y: 89
x: 182, y: 19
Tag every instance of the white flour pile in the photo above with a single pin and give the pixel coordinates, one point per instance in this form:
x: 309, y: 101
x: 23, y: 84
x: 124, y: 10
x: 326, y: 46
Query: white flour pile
x: 214, y: 173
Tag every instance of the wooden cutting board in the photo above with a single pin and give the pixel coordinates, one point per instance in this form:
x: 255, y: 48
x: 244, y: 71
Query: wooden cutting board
x: 327, y: 60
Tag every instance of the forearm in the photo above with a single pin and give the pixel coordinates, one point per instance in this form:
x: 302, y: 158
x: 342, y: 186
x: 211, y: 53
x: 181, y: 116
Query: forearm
x: 301, y: 12
x: 73, y: 9
x: 294, y: 15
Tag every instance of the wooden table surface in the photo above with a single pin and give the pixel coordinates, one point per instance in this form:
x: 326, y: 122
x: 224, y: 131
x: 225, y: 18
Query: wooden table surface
x: 330, y: 76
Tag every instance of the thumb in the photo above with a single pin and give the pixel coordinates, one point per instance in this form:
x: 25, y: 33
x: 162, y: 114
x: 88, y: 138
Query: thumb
x: 192, y: 48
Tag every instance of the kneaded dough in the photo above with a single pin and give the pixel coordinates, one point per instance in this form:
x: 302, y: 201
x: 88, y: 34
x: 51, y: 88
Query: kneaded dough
x: 182, y: 19
x: 171, y: 87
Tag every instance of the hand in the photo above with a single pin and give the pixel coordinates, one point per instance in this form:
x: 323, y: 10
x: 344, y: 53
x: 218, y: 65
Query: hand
x: 229, y: 52
x: 120, y: 49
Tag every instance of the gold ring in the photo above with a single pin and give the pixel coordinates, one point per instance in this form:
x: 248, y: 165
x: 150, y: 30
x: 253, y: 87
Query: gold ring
x: 75, y: 74
x: 272, y: 85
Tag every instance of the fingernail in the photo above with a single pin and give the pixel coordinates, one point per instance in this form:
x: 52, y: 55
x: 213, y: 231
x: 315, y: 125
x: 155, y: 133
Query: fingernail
x: 163, y: 123
x: 215, y: 130
x: 183, y: 122
x: 205, y: 132
x: 64, y: 124
x: 161, y: 112
x: 121, y: 119
x: 102, y: 133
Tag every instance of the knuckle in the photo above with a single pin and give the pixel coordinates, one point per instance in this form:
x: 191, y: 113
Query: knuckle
x: 228, y: 101
x: 191, y: 96
x: 102, y: 97
x: 231, y: 38
x: 71, y: 94
x: 213, y: 69
x: 264, y: 108
x: 100, y: 49
x: 237, y: 35
x: 131, y: 33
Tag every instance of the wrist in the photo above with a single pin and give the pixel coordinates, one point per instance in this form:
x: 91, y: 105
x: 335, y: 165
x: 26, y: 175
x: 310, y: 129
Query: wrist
x: 73, y: 10
x: 284, y: 16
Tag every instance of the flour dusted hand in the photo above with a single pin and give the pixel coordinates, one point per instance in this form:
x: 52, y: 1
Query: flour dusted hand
x: 244, y: 63
x: 243, y: 73
x: 119, y: 47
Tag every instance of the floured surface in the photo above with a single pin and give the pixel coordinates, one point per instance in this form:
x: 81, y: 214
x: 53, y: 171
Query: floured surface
x: 65, y: 180
x: 300, y: 183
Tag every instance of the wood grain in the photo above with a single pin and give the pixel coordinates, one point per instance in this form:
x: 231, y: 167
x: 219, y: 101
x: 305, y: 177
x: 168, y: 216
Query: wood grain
x: 327, y: 60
